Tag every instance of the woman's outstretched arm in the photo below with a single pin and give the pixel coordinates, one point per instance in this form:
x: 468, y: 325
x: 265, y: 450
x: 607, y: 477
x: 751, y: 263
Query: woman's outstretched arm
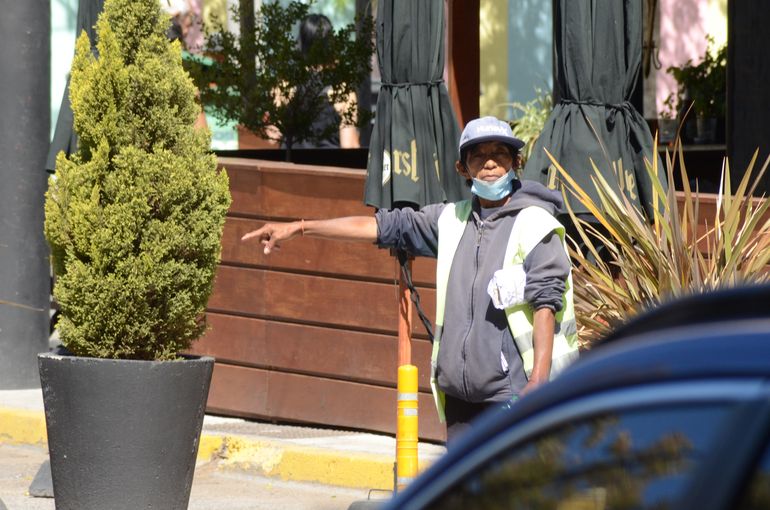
x: 350, y: 228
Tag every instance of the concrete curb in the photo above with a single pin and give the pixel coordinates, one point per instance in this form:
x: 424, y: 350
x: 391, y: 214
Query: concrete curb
x: 264, y: 457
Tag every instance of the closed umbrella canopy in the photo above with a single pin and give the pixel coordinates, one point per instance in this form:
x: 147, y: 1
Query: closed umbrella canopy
x: 598, y: 58
x: 64, y: 137
x: 414, y: 142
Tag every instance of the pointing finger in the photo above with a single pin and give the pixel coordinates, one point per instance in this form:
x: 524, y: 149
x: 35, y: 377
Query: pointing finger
x: 251, y: 234
x: 254, y: 233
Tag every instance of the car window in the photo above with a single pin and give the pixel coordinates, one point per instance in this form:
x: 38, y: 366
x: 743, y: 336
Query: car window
x: 639, y: 458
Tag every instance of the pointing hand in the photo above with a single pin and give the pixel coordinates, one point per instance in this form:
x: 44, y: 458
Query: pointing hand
x: 271, y: 234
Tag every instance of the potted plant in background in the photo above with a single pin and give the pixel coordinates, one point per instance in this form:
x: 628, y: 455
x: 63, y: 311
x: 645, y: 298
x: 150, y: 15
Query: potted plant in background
x: 530, y: 123
x: 668, y: 122
x: 134, y: 220
x: 263, y: 80
x: 704, y: 86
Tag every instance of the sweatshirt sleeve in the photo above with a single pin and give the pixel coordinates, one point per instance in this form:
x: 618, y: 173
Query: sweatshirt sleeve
x: 547, y: 267
x: 413, y: 231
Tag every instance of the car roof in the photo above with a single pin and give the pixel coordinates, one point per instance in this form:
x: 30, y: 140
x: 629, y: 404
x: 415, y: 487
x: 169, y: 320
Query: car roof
x: 737, y: 303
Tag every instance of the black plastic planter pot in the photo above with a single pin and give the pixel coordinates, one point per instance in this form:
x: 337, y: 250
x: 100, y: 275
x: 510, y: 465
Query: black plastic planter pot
x: 123, y: 434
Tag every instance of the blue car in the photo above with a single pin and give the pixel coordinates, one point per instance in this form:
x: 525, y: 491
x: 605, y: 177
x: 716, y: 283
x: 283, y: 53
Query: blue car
x: 671, y: 412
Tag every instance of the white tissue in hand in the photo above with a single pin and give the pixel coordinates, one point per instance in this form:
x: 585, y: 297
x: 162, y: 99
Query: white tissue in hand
x: 506, y: 288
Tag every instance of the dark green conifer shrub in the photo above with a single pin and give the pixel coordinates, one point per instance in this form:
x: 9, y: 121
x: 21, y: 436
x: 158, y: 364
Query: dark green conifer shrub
x: 134, y: 218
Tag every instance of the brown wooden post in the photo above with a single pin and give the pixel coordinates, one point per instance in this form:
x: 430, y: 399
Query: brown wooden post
x: 463, y: 58
x: 404, y: 319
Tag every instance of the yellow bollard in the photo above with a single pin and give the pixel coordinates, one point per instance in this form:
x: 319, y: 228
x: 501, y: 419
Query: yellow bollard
x: 406, y: 426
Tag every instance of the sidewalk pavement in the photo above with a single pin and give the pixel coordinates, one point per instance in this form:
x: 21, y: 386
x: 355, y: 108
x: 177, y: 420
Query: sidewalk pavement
x: 297, y: 453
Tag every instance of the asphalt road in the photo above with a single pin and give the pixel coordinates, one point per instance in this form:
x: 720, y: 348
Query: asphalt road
x: 213, y: 489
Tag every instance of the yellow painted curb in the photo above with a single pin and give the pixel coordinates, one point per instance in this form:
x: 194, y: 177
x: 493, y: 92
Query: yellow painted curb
x: 308, y: 464
x: 209, y: 447
x: 267, y: 458
x: 19, y: 426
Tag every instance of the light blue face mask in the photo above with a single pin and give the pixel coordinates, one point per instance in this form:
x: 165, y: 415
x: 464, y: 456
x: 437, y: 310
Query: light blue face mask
x: 495, y: 190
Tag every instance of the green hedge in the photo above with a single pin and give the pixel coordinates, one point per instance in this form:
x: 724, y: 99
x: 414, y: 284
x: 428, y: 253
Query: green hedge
x: 134, y: 218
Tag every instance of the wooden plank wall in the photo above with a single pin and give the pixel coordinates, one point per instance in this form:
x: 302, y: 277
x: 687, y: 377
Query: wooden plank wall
x: 308, y: 334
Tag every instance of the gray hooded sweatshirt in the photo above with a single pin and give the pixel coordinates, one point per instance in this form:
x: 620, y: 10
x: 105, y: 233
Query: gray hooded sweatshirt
x: 478, y: 359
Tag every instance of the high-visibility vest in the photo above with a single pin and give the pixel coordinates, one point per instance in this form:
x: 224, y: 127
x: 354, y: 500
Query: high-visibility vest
x: 531, y: 226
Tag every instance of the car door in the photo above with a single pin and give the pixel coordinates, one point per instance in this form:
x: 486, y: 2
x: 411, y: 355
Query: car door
x: 752, y: 489
x: 637, y: 447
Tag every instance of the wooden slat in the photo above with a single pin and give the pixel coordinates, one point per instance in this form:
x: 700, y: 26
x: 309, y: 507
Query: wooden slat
x: 330, y: 353
x: 361, y: 260
x: 267, y: 189
x: 256, y: 393
x: 312, y: 299
x: 707, y: 213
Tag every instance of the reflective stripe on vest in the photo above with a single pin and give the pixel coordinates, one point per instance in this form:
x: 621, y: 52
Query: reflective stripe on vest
x: 531, y: 226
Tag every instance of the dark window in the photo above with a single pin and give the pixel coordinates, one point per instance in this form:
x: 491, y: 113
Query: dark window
x: 636, y: 459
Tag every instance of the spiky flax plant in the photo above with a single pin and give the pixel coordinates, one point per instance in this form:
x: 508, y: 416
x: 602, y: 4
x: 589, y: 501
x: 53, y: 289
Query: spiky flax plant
x: 683, y: 249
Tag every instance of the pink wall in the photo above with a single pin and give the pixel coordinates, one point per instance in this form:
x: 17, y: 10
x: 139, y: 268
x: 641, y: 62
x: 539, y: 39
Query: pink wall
x: 682, y: 37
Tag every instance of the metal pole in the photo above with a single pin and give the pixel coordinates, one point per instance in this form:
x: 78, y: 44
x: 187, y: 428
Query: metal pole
x: 24, y: 131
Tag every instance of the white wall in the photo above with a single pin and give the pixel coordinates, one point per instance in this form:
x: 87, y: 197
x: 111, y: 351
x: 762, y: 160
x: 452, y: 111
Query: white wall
x: 63, y: 20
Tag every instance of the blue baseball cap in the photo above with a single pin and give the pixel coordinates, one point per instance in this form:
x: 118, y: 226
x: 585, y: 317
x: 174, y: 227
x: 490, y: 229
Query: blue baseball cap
x: 488, y: 129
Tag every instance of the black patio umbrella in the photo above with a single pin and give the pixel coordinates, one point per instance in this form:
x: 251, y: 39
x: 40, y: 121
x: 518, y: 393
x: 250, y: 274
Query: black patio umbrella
x: 413, y: 149
x: 598, y: 50
x: 64, y: 136
x: 414, y: 142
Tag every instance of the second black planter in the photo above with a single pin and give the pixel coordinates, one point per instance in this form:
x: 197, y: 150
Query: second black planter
x: 123, y: 434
